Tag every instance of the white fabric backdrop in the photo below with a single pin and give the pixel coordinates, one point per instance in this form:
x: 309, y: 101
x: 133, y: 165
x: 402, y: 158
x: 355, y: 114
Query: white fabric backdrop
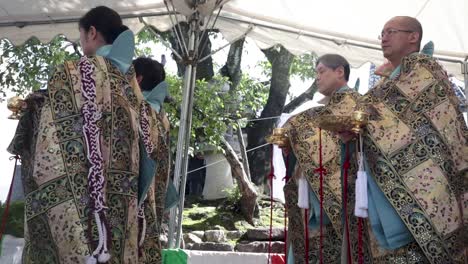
x: 303, y: 23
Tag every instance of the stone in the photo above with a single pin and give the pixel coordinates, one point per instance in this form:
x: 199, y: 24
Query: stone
x: 214, y: 236
x: 12, y: 249
x: 218, y: 177
x: 191, y: 238
x: 263, y: 234
x: 200, y: 234
x: 163, y: 239
x: 234, y: 235
x: 211, y: 246
x: 260, y: 247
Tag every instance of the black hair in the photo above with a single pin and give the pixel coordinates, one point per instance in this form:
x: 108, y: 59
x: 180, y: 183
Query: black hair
x: 151, y: 70
x: 105, y: 20
x: 333, y: 61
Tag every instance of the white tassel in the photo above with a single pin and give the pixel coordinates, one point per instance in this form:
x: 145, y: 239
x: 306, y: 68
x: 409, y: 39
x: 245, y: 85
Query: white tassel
x: 91, y: 260
x: 143, y: 233
x: 303, y: 193
x: 99, y: 228
x: 104, y: 256
x: 361, y: 205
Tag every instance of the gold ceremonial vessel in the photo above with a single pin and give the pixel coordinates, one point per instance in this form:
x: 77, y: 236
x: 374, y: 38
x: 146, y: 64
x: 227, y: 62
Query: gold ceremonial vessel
x: 15, y: 105
x: 279, y: 137
x: 353, y: 122
x: 359, y: 119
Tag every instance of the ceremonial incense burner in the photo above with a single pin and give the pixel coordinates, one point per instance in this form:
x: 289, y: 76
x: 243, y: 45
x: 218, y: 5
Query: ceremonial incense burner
x: 359, y: 119
x: 353, y: 122
x: 16, y: 105
x: 279, y: 137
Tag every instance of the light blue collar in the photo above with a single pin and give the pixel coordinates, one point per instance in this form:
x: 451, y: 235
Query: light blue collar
x: 428, y: 50
x: 121, y: 52
x: 345, y: 88
x: 156, y: 96
x: 395, y: 72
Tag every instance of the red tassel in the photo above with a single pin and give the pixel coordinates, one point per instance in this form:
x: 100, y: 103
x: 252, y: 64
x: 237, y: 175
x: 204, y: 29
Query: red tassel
x: 271, y: 177
x: 322, y: 171
x: 360, y: 247
x: 346, y: 166
x: 286, y: 179
x: 306, y: 221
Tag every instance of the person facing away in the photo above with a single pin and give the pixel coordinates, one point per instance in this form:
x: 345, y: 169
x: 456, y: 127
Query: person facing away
x: 81, y: 178
x: 155, y: 170
x: 415, y: 152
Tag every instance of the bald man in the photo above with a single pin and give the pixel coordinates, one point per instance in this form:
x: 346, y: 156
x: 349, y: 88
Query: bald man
x: 416, y: 157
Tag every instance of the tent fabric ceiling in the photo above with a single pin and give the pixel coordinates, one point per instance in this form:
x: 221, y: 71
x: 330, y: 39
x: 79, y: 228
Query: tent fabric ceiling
x: 347, y: 27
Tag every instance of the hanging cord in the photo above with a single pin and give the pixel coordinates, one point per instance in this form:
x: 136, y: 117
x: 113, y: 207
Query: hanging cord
x: 271, y: 176
x: 360, y: 249
x: 286, y: 179
x: 360, y: 227
x: 7, y: 206
x: 306, y: 222
x: 322, y: 171
x: 346, y: 166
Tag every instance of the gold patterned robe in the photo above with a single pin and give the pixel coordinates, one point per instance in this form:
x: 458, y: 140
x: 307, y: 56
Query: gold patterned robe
x: 304, y: 137
x: 416, y: 149
x: 50, y: 141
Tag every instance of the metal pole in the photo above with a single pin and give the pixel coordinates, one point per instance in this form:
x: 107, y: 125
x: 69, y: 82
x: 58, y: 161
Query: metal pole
x: 184, y: 168
x: 183, y: 140
x: 465, y: 77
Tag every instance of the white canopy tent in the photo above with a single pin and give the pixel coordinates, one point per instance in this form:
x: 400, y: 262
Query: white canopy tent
x: 347, y: 27
x: 340, y: 26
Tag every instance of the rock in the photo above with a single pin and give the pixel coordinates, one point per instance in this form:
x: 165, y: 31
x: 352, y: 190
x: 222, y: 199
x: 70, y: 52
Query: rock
x: 191, y: 238
x: 12, y: 249
x: 263, y: 234
x: 199, y: 234
x: 214, y: 236
x: 260, y: 247
x: 163, y: 239
x: 189, y: 246
x: 234, y: 235
x: 210, y: 246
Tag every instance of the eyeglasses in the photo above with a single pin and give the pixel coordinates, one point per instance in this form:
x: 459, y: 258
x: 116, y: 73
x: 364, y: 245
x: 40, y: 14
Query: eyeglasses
x: 391, y: 32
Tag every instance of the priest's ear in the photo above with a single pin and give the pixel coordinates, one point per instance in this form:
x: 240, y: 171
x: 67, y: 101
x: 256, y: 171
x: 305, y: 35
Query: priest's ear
x: 340, y: 71
x: 414, y: 38
x: 139, y: 78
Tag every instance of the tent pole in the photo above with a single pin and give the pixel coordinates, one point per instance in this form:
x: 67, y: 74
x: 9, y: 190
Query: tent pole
x: 183, y: 140
x: 184, y: 168
x: 465, y: 77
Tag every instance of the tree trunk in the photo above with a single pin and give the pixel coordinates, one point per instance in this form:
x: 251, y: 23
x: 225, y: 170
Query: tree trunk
x: 248, y: 199
x: 232, y: 68
x: 205, y: 68
x: 307, y: 95
x: 281, y: 61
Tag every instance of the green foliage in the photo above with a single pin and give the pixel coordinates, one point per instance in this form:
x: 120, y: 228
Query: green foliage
x: 204, y: 215
x: 215, y: 109
x: 233, y: 196
x: 143, y: 42
x: 15, y: 220
x: 303, y: 66
x: 27, y: 67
